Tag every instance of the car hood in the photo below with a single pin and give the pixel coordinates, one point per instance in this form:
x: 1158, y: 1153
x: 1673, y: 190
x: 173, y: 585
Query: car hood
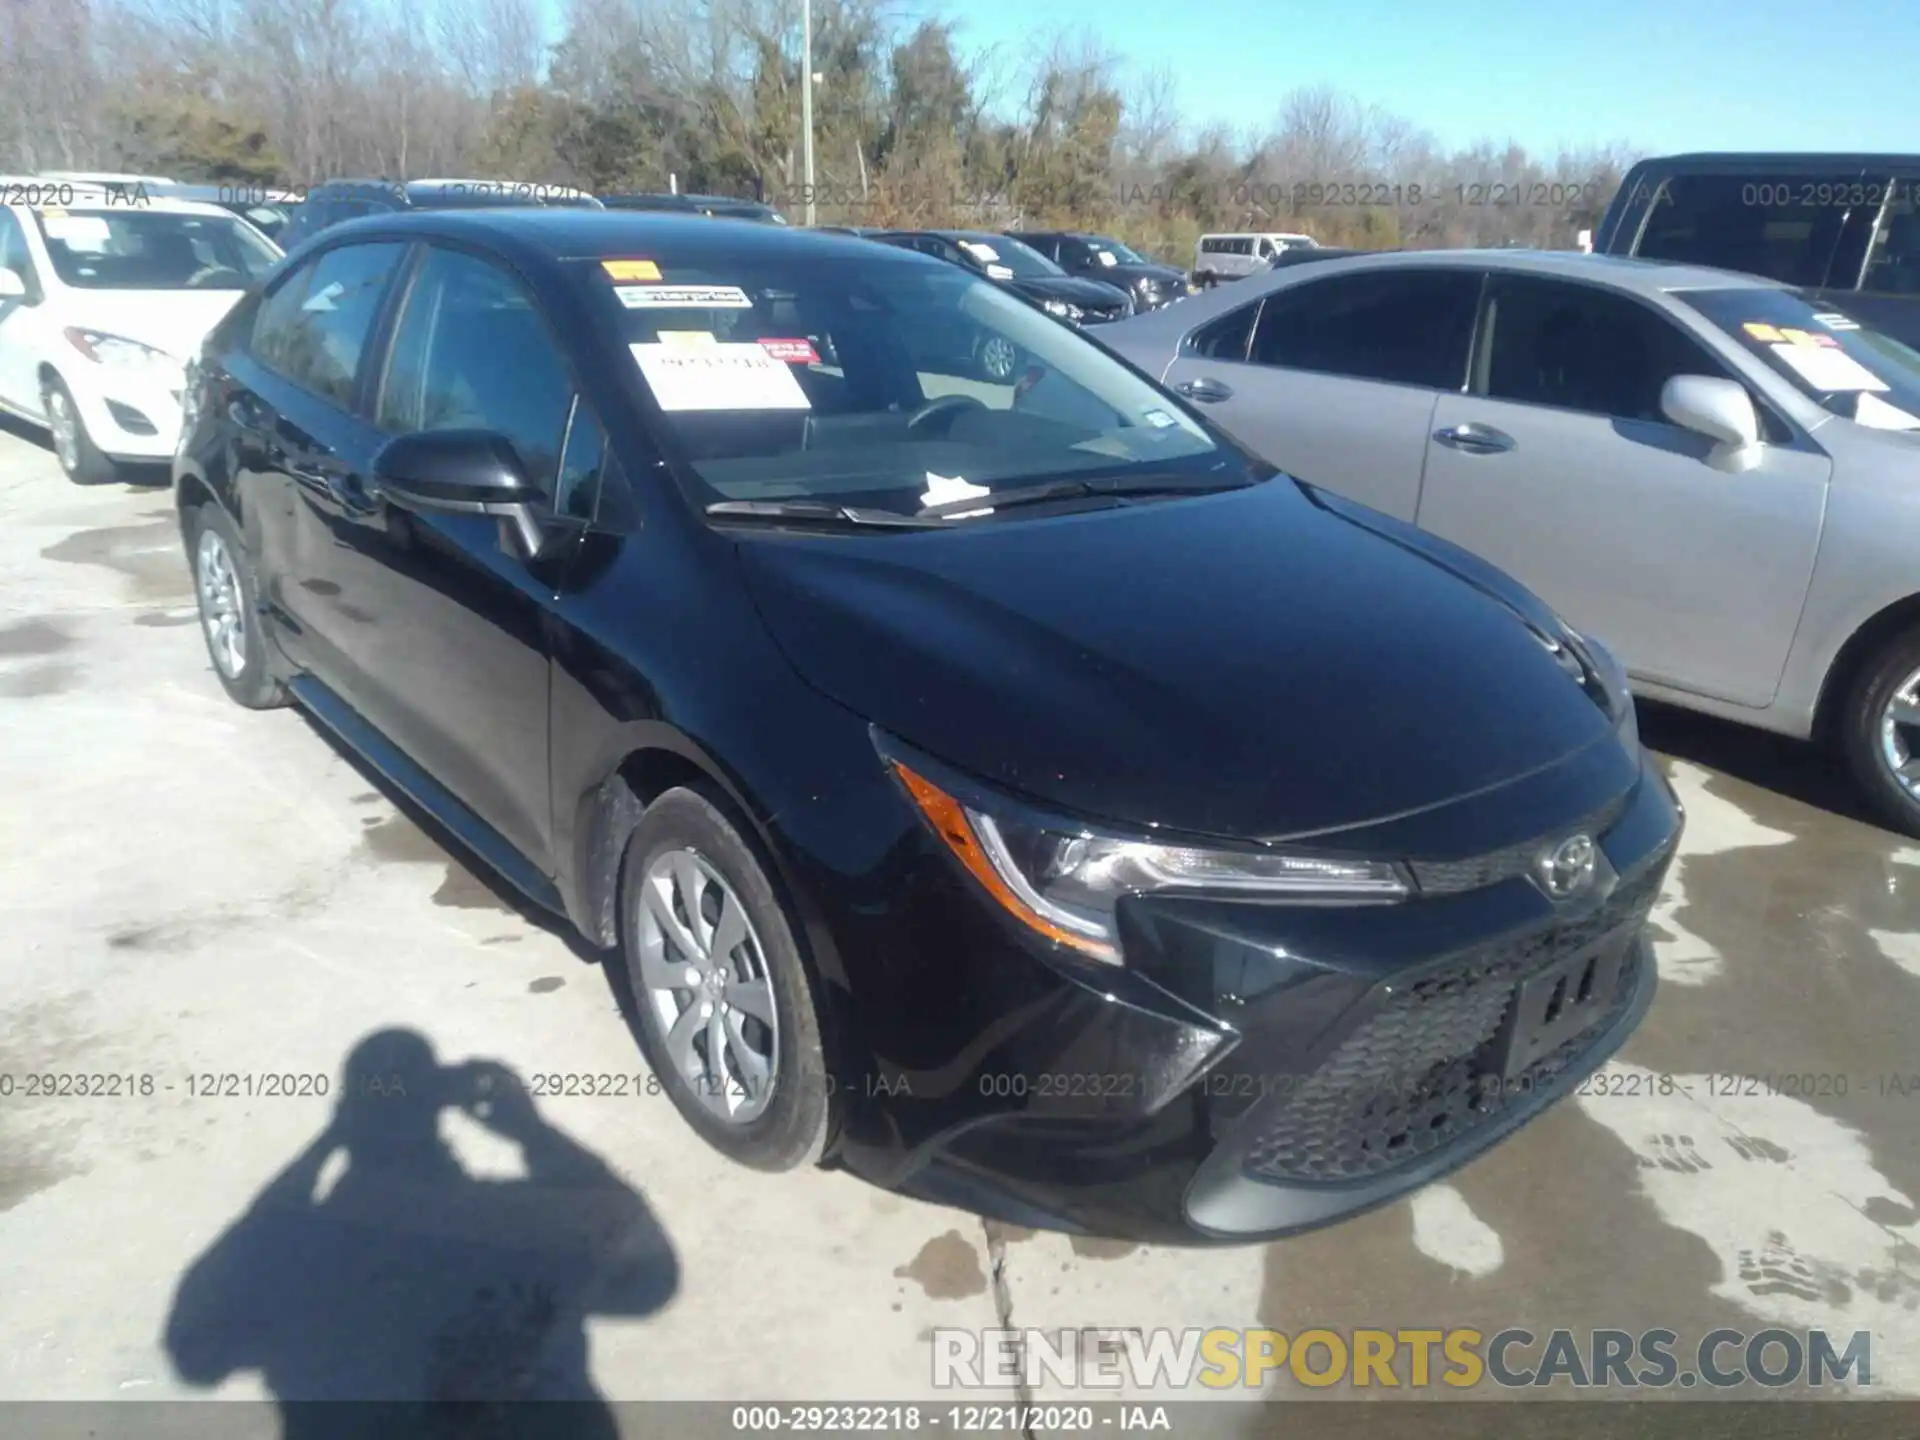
x: 1070, y: 289
x: 175, y: 321
x: 1248, y: 664
x: 1131, y: 274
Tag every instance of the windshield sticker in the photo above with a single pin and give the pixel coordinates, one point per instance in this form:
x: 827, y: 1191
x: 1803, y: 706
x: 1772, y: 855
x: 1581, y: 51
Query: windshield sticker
x: 1159, y: 419
x: 999, y: 272
x: 77, y: 232
x: 683, y: 297
x: 321, y: 302
x: 1806, y: 337
x: 1767, y: 334
x: 981, y: 252
x: 687, y: 339
x: 1828, y: 370
x: 794, y: 352
x: 718, y: 377
x: 1107, y: 257
x: 1834, y: 320
x: 944, y: 488
x: 630, y: 269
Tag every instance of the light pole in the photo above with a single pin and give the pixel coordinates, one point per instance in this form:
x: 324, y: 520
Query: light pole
x: 806, y: 102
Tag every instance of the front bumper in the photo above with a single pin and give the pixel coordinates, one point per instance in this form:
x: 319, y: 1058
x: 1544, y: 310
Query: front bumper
x: 128, y: 416
x: 1259, y: 1069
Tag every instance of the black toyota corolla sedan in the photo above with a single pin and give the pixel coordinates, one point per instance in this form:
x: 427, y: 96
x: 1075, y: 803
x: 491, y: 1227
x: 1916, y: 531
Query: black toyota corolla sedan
x: 1013, y: 792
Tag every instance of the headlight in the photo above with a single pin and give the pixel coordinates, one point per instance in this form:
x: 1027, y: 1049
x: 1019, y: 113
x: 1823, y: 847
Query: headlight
x: 116, y: 352
x: 1063, y: 880
x: 1062, y: 309
x: 1610, y: 677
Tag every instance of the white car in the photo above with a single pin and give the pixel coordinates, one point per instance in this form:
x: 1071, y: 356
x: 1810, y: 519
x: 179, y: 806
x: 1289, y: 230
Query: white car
x: 102, y: 305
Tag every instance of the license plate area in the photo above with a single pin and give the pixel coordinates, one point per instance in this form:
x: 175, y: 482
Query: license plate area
x: 1564, y: 1000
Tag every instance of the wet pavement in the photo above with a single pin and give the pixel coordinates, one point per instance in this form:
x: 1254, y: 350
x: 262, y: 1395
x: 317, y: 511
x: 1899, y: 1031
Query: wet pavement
x: 203, y: 899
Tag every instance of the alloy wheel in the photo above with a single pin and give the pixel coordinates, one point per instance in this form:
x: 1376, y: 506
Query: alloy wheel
x: 1900, y: 735
x: 998, y: 357
x: 705, y: 973
x: 222, y: 612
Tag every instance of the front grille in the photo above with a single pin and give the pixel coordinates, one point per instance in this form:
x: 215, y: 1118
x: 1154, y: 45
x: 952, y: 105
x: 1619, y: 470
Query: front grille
x: 1408, y: 1081
x: 1449, y: 877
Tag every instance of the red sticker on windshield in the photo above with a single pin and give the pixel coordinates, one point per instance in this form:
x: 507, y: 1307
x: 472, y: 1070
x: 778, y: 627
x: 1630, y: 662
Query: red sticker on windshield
x: 794, y: 352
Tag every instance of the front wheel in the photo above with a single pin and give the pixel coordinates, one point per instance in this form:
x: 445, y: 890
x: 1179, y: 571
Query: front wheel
x: 229, y: 610
x: 727, y: 1010
x: 83, y: 462
x: 998, y: 357
x: 1879, y: 732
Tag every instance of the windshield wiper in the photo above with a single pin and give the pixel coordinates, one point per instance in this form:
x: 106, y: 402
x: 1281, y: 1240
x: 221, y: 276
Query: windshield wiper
x: 819, y: 512
x: 1092, y: 487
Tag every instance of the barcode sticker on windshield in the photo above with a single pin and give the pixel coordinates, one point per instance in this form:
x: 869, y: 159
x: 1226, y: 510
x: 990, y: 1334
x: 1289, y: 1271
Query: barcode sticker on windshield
x: 718, y: 377
x: 683, y: 297
x: 1834, y: 320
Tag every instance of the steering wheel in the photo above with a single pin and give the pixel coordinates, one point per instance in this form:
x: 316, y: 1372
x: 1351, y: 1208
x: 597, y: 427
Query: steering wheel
x: 952, y: 406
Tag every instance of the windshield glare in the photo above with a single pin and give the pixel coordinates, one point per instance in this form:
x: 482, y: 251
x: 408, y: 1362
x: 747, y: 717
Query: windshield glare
x: 1024, y: 261
x: 124, y: 249
x: 1847, y: 366
x: 888, y: 384
x: 1120, y: 253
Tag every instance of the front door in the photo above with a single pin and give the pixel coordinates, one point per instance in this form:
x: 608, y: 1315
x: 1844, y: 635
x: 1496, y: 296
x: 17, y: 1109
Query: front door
x: 1560, y: 468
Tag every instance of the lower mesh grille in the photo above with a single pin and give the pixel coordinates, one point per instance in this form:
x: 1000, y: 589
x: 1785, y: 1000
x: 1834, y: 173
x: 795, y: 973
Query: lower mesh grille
x: 1408, y: 1081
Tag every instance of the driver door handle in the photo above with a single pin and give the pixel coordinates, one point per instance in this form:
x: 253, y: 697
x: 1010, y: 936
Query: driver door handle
x: 1475, y: 439
x: 1205, y: 389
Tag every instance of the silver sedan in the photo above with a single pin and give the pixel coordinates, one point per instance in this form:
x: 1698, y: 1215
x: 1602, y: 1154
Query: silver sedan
x: 1716, y: 476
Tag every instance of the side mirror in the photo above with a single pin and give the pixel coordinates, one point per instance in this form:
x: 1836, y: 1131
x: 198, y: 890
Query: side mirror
x: 12, y: 286
x: 462, y: 472
x: 1722, y: 411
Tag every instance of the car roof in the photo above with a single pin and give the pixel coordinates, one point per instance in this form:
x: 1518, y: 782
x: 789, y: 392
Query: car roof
x: 115, y: 198
x: 557, y: 233
x: 1650, y: 277
x: 1779, y: 159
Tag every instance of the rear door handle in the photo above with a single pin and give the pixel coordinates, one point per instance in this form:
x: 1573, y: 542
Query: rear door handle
x: 1475, y: 439
x: 1205, y: 389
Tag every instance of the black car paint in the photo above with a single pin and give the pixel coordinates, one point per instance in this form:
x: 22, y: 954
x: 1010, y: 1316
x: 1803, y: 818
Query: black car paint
x: 1150, y: 285
x: 1099, y: 299
x: 1248, y: 664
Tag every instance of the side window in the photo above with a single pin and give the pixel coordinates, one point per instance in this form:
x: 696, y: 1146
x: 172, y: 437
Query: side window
x: 472, y: 353
x: 1786, y: 227
x: 1578, y: 348
x: 1406, y: 327
x: 1225, y: 337
x: 1893, y: 265
x: 313, y: 329
x: 576, y: 493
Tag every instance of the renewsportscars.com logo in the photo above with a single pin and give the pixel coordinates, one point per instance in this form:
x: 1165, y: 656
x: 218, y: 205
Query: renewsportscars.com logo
x: 1220, y: 1359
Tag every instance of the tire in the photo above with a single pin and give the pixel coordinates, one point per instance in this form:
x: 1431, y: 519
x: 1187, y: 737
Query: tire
x: 1206, y: 280
x: 1866, y: 733
x: 223, y: 587
x: 684, y: 838
x: 82, y: 461
x: 998, y: 358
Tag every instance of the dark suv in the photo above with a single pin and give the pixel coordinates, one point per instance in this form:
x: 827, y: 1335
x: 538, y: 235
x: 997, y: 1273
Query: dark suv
x: 337, y: 200
x: 1840, y: 226
x: 1102, y: 258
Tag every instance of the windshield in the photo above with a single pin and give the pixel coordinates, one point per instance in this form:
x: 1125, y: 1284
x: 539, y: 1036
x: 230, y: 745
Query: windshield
x: 1104, y: 246
x: 1850, y: 368
x: 884, y: 383
x: 128, y: 249
x: 1003, y: 253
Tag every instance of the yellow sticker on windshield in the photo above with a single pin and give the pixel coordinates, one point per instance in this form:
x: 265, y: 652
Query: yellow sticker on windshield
x: 688, y: 339
x: 630, y: 269
x: 1768, y: 333
x: 1799, y: 337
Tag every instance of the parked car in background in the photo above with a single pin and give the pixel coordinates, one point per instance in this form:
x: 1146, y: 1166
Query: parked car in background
x: 339, y: 200
x: 1712, y: 472
x: 1099, y: 257
x: 899, y: 740
x: 103, y: 305
x: 1234, y: 257
x: 1020, y: 269
x: 719, y: 207
x: 107, y: 178
x: 1310, y: 254
x: 1843, y: 226
x: 267, y: 208
x: 863, y: 231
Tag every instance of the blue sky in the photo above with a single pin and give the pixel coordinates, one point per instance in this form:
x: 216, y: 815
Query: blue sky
x: 1721, y: 75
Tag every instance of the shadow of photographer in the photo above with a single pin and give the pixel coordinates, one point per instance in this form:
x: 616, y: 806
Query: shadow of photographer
x: 376, y: 1268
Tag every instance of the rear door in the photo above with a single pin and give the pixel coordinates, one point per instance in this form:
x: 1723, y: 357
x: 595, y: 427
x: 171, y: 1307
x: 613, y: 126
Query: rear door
x: 1335, y: 379
x: 1560, y: 468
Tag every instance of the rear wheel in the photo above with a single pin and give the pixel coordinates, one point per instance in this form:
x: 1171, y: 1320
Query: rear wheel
x: 728, y: 1016
x: 1879, y: 732
x: 83, y: 462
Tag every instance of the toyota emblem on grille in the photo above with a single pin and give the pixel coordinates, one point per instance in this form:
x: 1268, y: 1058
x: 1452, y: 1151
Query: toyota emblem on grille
x: 1568, y: 867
